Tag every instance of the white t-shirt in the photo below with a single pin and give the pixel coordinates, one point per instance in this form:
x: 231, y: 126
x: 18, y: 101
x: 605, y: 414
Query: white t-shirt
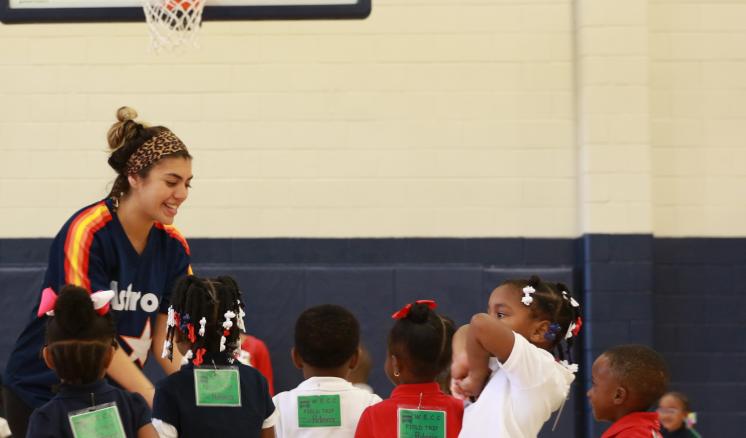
x: 520, y: 396
x: 352, y: 401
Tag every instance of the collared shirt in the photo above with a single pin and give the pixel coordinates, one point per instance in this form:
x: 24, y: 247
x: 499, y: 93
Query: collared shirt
x: 51, y: 420
x: 380, y: 421
x: 353, y: 401
x: 520, y: 396
x: 175, y: 410
x: 635, y: 425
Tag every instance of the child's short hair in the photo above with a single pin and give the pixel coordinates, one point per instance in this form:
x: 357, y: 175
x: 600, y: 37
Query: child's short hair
x: 424, y: 338
x: 641, y: 369
x: 78, y: 338
x: 326, y: 336
x: 208, y: 312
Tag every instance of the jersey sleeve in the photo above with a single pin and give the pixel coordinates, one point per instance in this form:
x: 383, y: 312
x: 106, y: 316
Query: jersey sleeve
x: 180, y: 264
x: 77, y: 253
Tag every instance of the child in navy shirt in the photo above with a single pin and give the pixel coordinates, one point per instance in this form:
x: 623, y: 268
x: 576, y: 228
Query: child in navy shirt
x: 213, y: 394
x: 79, y: 348
x: 419, y: 349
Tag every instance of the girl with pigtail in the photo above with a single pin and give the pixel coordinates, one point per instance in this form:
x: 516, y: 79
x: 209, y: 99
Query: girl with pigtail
x: 127, y: 243
x: 419, y: 350
x: 212, y: 393
x: 516, y: 359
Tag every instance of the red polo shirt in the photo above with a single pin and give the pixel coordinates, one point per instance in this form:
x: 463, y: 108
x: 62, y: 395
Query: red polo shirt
x: 380, y: 420
x: 635, y: 425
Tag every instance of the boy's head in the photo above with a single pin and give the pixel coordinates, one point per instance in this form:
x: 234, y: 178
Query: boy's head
x: 627, y: 378
x: 326, y: 339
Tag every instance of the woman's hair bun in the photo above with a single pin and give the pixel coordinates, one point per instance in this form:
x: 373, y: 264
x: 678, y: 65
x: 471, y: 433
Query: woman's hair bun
x: 125, y: 113
x: 122, y: 131
x: 419, y: 313
x: 74, y: 310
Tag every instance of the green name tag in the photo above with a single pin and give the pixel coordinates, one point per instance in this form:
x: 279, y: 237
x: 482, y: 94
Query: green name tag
x: 319, y: 411
x: 102, y: 421
x: 416, y: 423
x: 217, y: 387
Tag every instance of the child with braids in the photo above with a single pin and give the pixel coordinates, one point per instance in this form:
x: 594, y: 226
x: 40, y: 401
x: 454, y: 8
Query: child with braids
x: 527, y: 321
x: 419, y: 349
x: 213, y: 394
x: 79, y: 347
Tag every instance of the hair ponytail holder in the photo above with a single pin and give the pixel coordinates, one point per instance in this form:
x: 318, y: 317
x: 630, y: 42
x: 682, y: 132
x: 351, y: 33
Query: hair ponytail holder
x: 99, y: 299
x: 404, y: 311
x: 527, y: 299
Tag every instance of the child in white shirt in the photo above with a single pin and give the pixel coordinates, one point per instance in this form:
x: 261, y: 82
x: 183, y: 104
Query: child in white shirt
x: 325, y: 405
x: 504, y: 357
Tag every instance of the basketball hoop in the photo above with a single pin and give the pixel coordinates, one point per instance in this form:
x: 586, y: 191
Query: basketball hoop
x: 173, y: 22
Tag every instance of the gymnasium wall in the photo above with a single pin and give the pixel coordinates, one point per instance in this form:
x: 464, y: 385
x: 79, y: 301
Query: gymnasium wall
x: 434, y: 148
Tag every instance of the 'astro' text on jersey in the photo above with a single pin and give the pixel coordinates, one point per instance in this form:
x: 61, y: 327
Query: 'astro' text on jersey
x: 93, y: 251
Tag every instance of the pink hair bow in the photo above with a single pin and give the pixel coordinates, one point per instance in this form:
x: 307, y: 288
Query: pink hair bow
x: 100, y: 301
x: 404, y: 311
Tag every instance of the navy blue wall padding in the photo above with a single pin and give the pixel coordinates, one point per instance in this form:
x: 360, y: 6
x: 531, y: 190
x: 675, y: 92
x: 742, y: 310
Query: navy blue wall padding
x: 686, y: 297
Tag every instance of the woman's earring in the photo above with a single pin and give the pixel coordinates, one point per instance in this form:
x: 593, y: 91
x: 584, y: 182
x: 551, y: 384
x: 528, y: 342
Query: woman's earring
x: 396, y: 373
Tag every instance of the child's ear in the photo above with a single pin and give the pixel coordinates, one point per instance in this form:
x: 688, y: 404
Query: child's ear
x: 47, y: 355
x: 297, y: 360
x: 354, y: 359
x: 540, y: 328
x: 620, y: 395
x: 396, y: 365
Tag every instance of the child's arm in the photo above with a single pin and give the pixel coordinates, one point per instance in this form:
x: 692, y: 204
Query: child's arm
x: 126, y: 373
x: 485, y: 336
x: 489, y: 335
x: 459, y: 361
x: 267, y: 433
x: 147, y: 431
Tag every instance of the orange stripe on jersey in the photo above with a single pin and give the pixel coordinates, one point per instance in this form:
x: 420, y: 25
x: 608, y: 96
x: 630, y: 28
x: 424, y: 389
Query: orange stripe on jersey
x: 78, y: 243
x: 174, y: 233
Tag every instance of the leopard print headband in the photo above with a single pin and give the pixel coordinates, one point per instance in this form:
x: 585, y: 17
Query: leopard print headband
x: 160, y: 145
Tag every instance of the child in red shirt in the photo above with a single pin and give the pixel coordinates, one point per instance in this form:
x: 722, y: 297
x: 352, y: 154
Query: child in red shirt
x: 419, y: 349
x: 627, y: 380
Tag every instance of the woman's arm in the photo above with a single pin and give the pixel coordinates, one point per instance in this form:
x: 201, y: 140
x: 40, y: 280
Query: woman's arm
x: 268, y: 432
x: 147, y: 431
x: 127, y: 374
x: 159, y: 335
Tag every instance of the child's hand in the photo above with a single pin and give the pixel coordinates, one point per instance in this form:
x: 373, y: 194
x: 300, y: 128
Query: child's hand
x: 471, y: 385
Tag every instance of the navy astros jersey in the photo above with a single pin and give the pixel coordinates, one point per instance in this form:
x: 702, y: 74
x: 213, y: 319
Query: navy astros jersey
x: 93, y: 251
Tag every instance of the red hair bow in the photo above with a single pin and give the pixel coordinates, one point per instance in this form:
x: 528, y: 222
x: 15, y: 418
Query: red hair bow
x: 578, y: 324
x: 404, y: 311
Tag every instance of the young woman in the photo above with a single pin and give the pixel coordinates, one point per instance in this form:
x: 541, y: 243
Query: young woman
x: 125, y: 243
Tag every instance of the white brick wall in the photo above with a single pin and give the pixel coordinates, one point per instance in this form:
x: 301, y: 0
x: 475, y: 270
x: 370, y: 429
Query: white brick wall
x: 427, y: 119
x: 431, y: 118
x: 698, y: 120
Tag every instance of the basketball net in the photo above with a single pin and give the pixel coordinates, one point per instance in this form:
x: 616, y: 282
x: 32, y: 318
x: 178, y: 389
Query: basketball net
x: 173, y: 23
